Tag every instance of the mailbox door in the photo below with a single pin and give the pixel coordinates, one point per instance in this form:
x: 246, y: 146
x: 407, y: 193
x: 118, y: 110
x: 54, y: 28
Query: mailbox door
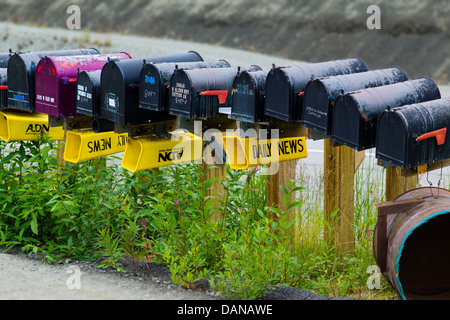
x: 20, y: 84
x: 88, y: 93
x: 248, y: 96
x: 48, y: 88
x: 113, y: 92
x: 281, y: 93
x: 182, y: 97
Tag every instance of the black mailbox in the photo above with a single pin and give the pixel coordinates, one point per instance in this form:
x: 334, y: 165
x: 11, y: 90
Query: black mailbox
x: 88, y: 93
x: 355, y: 114
x: 321, y: 94
x: 4, y: 58
x: 155, y: 80
x: 285, y: 85
x: 119, y: 89
x: 3, y: 88
x: 21, y: 76
x: 415, y: 135
x: 248, y: 96
x: 199, y: 93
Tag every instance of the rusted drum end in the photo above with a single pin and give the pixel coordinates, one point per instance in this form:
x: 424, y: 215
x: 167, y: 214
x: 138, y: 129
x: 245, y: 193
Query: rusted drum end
x: 418, y: 246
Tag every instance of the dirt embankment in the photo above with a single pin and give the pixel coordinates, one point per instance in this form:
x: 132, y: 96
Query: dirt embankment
x: 414, y: 34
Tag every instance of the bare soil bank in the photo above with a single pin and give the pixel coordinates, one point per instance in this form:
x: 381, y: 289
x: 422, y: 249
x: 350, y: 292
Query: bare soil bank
x: 414, y: 34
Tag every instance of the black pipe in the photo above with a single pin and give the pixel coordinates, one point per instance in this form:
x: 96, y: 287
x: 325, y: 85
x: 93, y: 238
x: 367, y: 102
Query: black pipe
x: 102, y: 125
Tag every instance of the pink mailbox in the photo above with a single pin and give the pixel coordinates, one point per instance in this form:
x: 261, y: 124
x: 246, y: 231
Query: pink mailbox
x: 56, y: 81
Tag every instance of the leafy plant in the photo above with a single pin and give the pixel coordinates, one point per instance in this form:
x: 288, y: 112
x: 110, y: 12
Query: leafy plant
x: 98, y: 211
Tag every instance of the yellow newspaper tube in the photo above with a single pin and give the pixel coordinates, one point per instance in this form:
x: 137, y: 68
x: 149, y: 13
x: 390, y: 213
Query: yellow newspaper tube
x: 17, y: 126
x: 87, y: 145
x: 144, y: 153
x: 243, y: 153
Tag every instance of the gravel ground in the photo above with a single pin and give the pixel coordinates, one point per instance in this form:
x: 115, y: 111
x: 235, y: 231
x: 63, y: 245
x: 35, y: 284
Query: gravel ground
x: 23, y: 278
x: 29, y: 279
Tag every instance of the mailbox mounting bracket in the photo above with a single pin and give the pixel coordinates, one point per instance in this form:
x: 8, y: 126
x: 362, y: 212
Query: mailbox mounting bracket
x: 160, y: 129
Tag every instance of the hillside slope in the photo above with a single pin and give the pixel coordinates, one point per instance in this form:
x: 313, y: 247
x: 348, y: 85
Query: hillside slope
x: 414, y: 34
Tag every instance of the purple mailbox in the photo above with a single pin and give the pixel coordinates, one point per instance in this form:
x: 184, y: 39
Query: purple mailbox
x: 56, y: 81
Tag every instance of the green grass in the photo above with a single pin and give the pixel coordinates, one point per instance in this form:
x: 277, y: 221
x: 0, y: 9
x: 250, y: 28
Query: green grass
x: 95, y: 212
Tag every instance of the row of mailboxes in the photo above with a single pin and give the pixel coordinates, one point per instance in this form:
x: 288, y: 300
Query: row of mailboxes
x: 21, y: 76
x: 285, y: 85
x: 155, y: 81
x: 341, y: 98
x: 355, y: 114
x: 320, y: 94
x: 200, y: 93
x: 56, y: 81
x: 119, y: 89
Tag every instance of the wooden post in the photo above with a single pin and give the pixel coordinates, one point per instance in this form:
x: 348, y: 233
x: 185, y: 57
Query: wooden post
x: 398, y: 183
x: 339, y: 171
x: 60, y: 153
x: 287, y: 169
x: 217, y: 171
x: 210, y: 168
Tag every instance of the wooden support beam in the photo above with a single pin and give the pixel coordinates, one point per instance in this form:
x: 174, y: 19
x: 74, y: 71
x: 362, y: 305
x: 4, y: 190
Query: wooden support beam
x: 60, y: 153
x: 398, y: 183
x: 75, y: 123
x: 359, y: 159
x: 160, y: 129
x: 339, y: 170
x: 425, y: 168
x: 214, y: 166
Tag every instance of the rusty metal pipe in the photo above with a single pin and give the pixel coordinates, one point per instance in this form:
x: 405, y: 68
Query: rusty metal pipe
x: 412, y: 243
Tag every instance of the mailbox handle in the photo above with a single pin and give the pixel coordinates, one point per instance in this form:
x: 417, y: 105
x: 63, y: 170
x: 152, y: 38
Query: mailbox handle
x: 439, y: 134
x: 221, y: 95
x: 3, y: 87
